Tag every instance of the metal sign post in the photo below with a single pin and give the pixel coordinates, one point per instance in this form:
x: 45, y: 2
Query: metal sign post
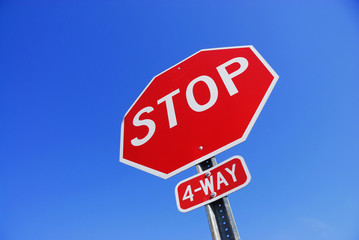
x: 219, y: 213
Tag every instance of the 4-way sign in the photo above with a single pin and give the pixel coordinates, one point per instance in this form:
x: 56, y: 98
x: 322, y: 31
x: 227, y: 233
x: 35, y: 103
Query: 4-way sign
x: 196, y: 109
x: 215, y: 183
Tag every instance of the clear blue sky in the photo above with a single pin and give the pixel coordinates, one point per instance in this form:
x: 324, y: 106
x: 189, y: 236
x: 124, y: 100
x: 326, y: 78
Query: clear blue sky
x: 69, y: 71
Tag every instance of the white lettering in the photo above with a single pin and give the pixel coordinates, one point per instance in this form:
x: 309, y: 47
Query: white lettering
x: 212, y: 90
x: 207, y: 185
x: 220, y: 180
x: 188, y: 194
x: 232, y: 172
x: 145, y: 122
x: 170, y: 108
x: 227, y: 78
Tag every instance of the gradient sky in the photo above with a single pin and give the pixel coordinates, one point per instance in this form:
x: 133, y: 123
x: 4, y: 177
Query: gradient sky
x: 69, y: 71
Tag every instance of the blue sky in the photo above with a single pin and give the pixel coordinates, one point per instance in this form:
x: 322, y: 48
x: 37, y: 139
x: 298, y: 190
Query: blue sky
x: 69, y: 71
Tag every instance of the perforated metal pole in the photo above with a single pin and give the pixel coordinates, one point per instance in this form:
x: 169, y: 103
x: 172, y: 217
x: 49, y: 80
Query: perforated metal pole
x: 219, y: 213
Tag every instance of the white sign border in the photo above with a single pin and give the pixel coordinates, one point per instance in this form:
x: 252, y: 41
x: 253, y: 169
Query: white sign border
x: 226, y: 147
x: 219, y: 196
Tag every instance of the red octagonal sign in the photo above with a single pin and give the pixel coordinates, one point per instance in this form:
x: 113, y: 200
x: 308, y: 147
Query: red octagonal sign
x: 196, y: 109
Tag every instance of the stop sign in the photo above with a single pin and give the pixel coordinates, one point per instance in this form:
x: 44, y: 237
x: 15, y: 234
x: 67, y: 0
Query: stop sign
x: 196, y: 109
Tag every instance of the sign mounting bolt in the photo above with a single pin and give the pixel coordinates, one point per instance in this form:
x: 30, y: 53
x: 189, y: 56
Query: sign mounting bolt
x: 213, y: 194
x: 200, y: 148
x: 207, y: 174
